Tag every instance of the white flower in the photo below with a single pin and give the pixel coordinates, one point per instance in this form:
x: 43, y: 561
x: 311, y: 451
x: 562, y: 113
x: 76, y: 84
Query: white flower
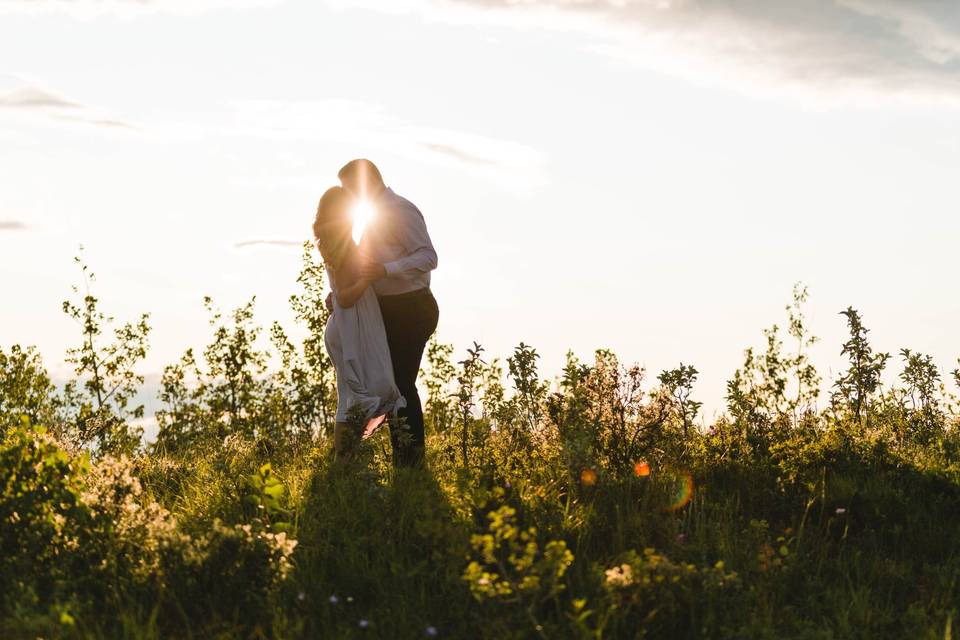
x: 431, y: 631
x: 334, y: 599
x: 840, y: 511
x: 364, y: 623
x: 621, y: 576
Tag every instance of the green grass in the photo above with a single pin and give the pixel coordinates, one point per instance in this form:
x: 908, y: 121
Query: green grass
x: 528, y: 521
x: 837, y: 540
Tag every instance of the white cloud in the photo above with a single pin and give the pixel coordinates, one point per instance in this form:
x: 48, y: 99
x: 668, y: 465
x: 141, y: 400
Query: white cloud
x: 49, y: 107
x: 838, y: 48
x: 457, y: 153
x: 365, y: 128
x: 35, y: 98
x: 370, y: 129
x: 126, y: 8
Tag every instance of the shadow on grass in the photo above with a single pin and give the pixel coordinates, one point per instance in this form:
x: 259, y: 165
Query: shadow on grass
x: 378, y: 556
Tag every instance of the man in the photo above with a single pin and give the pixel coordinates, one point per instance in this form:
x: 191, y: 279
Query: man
x: 398, y: 258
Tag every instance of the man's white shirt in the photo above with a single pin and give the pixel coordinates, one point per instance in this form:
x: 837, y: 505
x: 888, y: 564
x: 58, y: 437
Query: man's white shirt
x: 397, y: 237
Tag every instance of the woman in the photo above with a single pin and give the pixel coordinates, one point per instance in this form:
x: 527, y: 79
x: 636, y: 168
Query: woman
x: 354, y: 337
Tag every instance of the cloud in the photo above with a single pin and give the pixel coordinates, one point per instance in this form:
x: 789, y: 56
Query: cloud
x: 34, y: 98
x: 457, y: 154
x: 370, y: 129
x: 49, y: 106
x: 108, y: 123
x: 96, y: 8
x: 269, y: 243
x: 12, y: 225
x: 846, y: 48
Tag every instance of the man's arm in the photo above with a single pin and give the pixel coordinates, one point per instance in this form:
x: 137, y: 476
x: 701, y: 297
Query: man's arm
x: 420, y: 256
x: 410, y: 232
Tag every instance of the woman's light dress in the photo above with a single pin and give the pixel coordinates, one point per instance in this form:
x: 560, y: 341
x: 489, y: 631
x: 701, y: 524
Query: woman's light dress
x: 357, y: 344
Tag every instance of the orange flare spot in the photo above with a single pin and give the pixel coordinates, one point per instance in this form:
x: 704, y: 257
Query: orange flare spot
x: 588, y: 477
x: 642, y: 469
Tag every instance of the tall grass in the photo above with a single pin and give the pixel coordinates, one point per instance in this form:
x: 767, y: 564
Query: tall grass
x: 589, y: 506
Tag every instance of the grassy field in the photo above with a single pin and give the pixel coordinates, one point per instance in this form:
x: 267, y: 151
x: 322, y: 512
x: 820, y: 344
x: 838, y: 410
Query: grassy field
x: 595, y: 505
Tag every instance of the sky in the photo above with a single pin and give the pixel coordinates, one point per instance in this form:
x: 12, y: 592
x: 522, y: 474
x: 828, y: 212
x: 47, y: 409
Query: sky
x: 650, y: 176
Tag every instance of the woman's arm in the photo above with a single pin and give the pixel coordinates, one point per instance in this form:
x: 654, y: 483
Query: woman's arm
x: 350, y: 286
x: 347, y: 297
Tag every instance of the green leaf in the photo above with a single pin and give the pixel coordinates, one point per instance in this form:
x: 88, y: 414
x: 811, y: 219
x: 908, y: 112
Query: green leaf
x: 274, y: 491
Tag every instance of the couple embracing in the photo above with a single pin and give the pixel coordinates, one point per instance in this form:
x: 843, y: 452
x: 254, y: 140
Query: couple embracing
x: 382, y: 310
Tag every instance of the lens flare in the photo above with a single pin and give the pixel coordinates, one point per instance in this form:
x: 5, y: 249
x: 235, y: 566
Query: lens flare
x: 588, y: 477
x: 363, y: 212
x: 684, y: 493
x: 641, y: 469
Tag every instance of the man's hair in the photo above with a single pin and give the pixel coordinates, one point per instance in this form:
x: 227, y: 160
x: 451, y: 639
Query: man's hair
x: 360, y: 171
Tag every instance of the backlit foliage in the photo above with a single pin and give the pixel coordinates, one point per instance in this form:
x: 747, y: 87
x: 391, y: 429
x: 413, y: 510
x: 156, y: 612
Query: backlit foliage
x: 599, y: 504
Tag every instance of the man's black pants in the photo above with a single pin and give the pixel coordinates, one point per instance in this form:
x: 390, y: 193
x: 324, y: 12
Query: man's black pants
x: 410, y: 319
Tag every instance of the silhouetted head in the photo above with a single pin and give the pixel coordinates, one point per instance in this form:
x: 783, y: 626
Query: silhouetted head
x: 332, y: 226
x: 362, y: 178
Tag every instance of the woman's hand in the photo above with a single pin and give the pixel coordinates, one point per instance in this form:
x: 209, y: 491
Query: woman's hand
x: 371, y: 270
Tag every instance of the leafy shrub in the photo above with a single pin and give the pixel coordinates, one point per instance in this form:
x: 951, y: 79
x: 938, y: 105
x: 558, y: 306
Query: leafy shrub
x: 647, y: 593
x: 25, y: 389
x: 82, y: 540
x: 537, y: 515
x: 101, y: 402
x: 41, y: 501
x: 509, y: 566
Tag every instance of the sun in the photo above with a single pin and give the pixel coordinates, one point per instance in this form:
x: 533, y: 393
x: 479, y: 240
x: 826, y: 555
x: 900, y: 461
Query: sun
x: 362, y: 214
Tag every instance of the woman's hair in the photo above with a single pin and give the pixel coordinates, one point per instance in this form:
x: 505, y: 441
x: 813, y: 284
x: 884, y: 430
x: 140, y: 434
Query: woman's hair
x: 332, y: 226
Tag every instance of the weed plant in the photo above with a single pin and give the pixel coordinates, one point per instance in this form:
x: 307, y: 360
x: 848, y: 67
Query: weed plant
x: 596, y: 505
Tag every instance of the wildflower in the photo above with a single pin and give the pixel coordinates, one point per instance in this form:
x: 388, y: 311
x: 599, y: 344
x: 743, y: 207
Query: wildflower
x: 334, y: 599
x: 364, y: 623
x: 641, y: 469
x: 840, y: 511
x: 349, y: 598
x: 301, y: 596
x: 621, y: 576
x: 431, y: 631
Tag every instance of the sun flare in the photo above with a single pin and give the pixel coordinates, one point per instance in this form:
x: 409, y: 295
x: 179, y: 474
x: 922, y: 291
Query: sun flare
x: 362, y: 214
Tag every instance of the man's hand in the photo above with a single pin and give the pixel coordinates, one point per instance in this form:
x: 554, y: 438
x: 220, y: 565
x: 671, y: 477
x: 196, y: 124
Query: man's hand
x: 371, y: 270
x: 329, y: 302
